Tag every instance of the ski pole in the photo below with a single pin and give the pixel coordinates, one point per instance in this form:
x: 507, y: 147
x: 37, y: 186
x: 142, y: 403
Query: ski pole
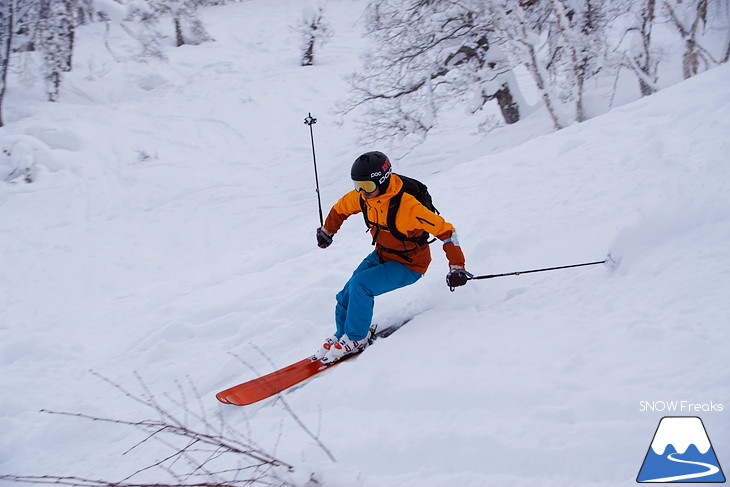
x: 309, y: 120
x: 607, y: 260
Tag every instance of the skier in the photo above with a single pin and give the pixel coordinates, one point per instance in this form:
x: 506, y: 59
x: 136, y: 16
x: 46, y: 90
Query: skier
x: 401, y: 254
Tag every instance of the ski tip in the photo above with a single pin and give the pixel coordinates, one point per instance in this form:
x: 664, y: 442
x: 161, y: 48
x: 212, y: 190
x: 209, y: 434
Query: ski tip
x: 233, y: 400
x: 222, y: 398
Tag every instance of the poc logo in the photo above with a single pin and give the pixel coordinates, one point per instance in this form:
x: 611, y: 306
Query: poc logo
x: 380, y: 175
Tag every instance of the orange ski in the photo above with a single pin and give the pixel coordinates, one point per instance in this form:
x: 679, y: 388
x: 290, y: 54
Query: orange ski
x: 268, y: 385
x: 280, y: 380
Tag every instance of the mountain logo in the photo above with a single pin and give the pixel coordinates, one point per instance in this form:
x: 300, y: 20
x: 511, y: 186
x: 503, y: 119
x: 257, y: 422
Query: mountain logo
x: 680, y: 452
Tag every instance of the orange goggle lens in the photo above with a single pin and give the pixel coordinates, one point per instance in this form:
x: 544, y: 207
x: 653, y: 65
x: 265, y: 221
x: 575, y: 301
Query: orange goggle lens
x: 366, y: 186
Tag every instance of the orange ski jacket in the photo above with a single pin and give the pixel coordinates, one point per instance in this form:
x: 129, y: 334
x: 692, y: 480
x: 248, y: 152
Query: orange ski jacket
x: 412, y: 220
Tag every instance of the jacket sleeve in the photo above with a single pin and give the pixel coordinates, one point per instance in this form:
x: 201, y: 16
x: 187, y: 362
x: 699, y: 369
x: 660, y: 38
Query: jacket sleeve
x: 452, y: 248
x: 421, y: 218
x: 348, y: 205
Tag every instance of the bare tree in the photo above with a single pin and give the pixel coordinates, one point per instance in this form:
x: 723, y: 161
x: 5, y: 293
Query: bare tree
x: 144, y: 27
x: 56, y: 42
x: 314, y: 30
x: 577, y: 47
x: 429, y: 54
x: 201, y: 452
x: 6, y: 36
x: 26, y: 24
x: 690, y: 19
x: 641, y: 59
x: 149, y: 25
x: 433, y: 53
x: 49, y: 27
x: 699, y: 23
x: 516, y: 28
x: 19, y: 27
x: 187, y: 27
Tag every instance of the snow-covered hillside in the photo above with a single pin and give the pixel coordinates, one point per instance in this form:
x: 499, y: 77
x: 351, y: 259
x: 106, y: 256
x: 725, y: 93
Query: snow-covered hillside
x: 170, y: 232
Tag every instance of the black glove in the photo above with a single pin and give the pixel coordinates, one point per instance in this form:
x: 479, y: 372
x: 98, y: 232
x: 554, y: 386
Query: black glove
x: 457, y: 276
x: 323, y: 240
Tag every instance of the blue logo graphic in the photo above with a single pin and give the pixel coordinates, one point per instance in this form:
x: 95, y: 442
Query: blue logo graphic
x: 681, y: 452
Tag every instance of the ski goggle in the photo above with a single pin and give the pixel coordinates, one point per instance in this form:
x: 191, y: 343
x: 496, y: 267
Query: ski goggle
x: 365, y: 186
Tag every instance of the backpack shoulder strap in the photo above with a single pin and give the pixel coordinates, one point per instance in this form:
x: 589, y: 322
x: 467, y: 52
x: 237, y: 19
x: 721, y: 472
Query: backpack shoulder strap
x: 392, y: 212
x: 393, y: 207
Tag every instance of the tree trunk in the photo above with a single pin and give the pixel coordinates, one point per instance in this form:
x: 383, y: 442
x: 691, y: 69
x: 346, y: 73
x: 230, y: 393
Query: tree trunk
x: 580, y: 76
x: 646, y: 88
x: 534, y: 69
x: 179, y: 33
x: 6, y: 36
x: 645, y: 66
x: 56, y: 43
x: 308, y: 56
x: 508, y: 106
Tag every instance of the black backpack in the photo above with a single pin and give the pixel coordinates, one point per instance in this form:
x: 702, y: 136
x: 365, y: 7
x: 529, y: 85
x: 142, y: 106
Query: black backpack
x: 419, y: 191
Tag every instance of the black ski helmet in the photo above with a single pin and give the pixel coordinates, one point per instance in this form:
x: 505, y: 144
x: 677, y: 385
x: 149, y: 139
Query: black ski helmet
x: 372, y: 166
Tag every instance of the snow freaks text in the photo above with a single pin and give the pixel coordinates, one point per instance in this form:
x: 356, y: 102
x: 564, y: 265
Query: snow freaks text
x: 680, y: 407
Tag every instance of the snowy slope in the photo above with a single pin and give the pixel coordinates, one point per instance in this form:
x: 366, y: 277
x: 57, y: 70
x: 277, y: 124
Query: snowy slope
x: 173, y: 222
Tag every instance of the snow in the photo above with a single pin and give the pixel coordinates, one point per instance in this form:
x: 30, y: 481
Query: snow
x: 170, y: 233
x: 681, y: 433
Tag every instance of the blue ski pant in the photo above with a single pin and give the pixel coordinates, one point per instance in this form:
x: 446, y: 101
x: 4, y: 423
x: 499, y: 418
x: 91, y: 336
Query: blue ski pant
x: 354, y: 309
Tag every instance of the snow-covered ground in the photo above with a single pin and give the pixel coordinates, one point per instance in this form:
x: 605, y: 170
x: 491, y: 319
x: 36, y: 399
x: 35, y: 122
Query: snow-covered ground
x: 172, y: 222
